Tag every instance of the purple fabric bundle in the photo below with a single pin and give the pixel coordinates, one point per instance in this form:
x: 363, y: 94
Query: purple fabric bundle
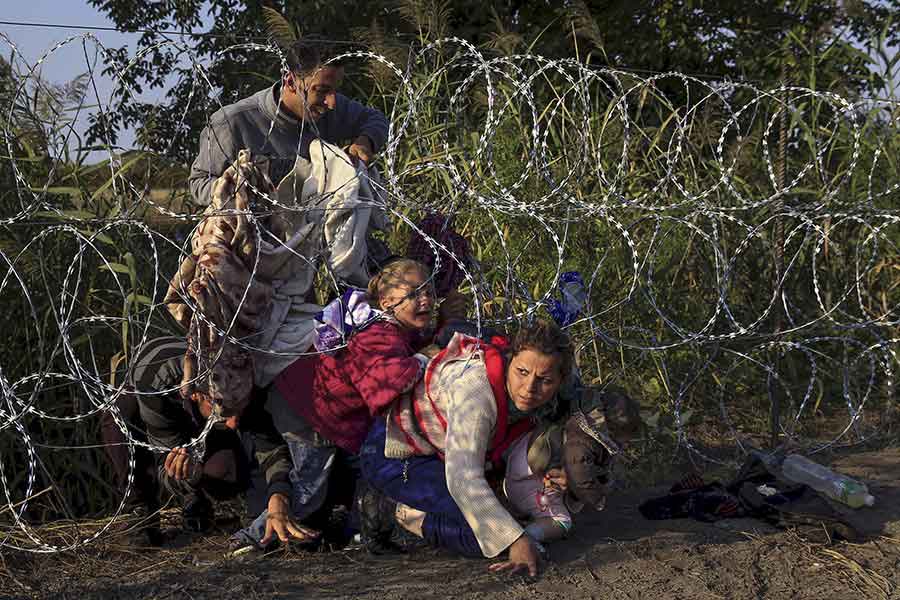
x: 341, y: 317
x: 567, y: 309
x: 440, y: 229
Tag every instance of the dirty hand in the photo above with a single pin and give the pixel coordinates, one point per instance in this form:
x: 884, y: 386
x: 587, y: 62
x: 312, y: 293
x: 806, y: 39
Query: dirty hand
x: 556, y: 479
x: 361, y: 149
x: 280, y: 523
x: 179, y: 465
x: 454, y: 306
x: 431, y: 350
x: 522, y: 555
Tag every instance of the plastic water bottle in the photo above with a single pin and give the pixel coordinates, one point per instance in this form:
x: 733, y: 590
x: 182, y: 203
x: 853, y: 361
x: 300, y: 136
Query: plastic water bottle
x: 574, y: 297
x: 841, y: 488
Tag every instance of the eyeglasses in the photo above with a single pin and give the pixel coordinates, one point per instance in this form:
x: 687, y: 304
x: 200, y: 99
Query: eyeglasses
x: 424, y: 290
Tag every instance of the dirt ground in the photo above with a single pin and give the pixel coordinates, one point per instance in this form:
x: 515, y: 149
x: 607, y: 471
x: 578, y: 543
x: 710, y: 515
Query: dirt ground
x: 614, y: 554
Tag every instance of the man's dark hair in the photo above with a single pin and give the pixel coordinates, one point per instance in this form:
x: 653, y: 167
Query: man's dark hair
x: 306, y: 55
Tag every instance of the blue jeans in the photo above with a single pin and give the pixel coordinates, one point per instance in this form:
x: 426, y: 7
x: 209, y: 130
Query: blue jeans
x: 309, y: 483
x: 419, y: 482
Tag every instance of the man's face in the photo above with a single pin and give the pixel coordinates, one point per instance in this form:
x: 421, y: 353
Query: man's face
x: 312, y: 96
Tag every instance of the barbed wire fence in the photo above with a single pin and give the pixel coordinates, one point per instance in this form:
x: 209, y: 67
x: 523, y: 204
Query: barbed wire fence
x: 616, y: 176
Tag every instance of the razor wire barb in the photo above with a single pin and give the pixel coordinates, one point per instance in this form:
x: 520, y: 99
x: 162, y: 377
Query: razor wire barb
x: 622, y: 176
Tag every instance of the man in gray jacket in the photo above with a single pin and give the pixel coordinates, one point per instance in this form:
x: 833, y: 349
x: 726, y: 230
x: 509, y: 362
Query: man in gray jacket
x: 281, y: 121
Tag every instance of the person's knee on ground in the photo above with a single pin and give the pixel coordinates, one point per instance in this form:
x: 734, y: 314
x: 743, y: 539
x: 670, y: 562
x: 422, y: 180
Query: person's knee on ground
x: 220, y: 474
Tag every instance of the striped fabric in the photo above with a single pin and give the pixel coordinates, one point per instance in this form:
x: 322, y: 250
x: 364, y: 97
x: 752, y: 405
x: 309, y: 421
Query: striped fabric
x: 157, y: 366
x: 417, y: 422
x: 171, y: 421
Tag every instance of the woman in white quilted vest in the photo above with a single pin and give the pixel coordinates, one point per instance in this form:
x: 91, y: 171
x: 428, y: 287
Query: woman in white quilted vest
x: 424, y: 462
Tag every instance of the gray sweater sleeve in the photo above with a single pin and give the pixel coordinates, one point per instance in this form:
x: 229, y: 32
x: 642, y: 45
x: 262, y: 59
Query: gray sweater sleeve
x: 217, y: 151
x: 357, y: 119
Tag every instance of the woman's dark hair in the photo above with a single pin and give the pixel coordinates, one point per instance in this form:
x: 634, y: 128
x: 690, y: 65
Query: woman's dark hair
x: 547, y: 338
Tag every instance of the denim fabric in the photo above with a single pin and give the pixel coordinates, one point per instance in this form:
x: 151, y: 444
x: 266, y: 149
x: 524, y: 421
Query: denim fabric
x: 309, y: 483
x: 419, y: 482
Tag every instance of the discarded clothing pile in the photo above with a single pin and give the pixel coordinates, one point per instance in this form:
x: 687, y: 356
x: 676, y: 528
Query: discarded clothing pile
x: 760, y: 492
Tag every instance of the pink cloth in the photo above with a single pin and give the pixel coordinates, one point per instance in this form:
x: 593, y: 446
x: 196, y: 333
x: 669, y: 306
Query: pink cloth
x: 339, y: 394
x: 525, y: 490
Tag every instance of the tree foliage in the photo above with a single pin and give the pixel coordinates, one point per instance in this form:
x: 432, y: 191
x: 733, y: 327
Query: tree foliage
x: 811, y: 42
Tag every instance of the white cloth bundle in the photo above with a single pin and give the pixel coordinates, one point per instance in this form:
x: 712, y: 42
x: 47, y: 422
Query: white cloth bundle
x: 327, y: 221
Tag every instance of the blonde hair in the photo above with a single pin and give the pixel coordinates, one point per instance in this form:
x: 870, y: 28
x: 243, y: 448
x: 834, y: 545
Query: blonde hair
x: 390, y: 276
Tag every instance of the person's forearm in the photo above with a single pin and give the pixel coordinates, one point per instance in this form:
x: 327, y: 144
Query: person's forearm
x: 216, y: 151
x: 376, y: 129
x: 471, y: 418
x: 405, y: 373
x: 201, y: 188
x: 275, y: 463
x: 494, y: 527
x: 365, y: 121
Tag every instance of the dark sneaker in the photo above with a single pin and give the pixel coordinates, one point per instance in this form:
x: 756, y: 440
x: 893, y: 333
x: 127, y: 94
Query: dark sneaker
x: 197, y: 514
x: 377, y: 521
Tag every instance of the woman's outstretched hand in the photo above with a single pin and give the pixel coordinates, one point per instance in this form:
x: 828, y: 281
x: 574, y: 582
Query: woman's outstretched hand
x: 523, y: 554
x: 454, y: 306
x: 280, y: 523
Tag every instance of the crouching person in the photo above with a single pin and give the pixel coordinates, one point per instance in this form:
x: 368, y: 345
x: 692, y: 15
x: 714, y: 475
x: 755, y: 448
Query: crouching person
x: 326, y: 403
x: 218, y: 467
x: 427, y: 457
